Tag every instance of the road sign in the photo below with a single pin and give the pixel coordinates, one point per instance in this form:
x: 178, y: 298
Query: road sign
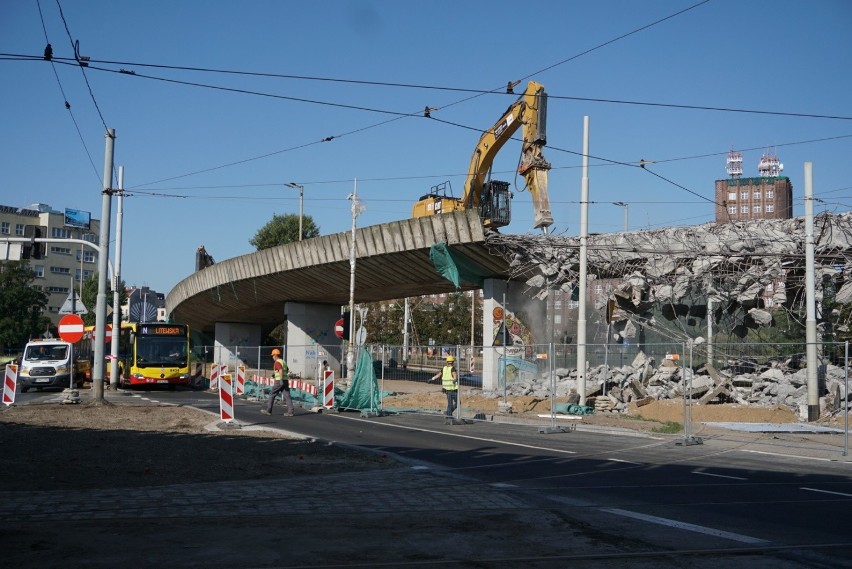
x: 361, y: 336
x: 73, y: 301
x: 338, y: 329
x: 71, y: 328
x: 108, y: 336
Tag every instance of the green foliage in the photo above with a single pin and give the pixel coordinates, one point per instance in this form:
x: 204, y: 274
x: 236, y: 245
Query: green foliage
x: 89, y: 296
x: 283, y: 229
x: 446, y: 323
x: 21, y: 305
x: 668, y: 428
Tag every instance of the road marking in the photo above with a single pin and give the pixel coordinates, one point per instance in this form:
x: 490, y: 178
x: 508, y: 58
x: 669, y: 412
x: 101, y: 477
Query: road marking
x: 786, y: 455
x: 503, y: 485
x: 827, y: 492
x: 685, y: 526
x: 483, y: 439
x: 624, y: 461
x: 718, y: 475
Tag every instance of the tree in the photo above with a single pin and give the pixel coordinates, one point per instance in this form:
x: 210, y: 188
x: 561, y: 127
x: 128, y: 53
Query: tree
x: 89, y: 296
x: 21, y: 305
x: 284, y: 229
x: 446, y: 323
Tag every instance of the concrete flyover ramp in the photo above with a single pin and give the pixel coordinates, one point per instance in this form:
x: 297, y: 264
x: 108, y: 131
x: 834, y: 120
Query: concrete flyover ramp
x: 392, y: 262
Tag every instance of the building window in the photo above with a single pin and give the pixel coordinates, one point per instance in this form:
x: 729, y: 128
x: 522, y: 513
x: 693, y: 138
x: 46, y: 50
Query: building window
x: 744, y: 209
x: 732, y: 196
x: 39, y: 271
x: 573, y: 304
x: 557, y: 319
x: 4, y: 228
x: 770, y: 208
x: 60, y: 270
x: 90, y: 237
x: 87, y: 274
x: 598, y: 290
x: 557, y: 305
x: 60, y: 233
x: 755, y: 209
x: 757, y: 194
x: 732, y: 209
x: 744, y: 196
x: 19, y: 229
x: 770, y: 194
x: 60, y: 250
x: 57, y: 289
x: 88, y: 256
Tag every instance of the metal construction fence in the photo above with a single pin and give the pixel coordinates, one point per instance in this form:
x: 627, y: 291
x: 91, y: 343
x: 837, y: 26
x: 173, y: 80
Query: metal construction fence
x: 496, y: 367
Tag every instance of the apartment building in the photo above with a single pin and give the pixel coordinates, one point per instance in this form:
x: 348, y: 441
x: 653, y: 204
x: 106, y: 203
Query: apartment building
x: 58, y: 266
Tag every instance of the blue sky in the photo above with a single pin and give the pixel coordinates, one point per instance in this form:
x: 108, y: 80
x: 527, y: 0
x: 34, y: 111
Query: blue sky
x: 207, y: 166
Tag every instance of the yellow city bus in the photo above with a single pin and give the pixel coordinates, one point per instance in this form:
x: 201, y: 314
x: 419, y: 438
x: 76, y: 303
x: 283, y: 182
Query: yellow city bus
x: 153, y: 353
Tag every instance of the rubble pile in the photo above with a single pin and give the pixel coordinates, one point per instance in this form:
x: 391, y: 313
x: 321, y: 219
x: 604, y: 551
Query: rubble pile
x: 612, y: 389
x: 674, y: 271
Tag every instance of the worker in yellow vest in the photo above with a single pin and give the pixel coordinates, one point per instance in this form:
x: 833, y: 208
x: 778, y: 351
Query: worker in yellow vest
x: 449, y: 384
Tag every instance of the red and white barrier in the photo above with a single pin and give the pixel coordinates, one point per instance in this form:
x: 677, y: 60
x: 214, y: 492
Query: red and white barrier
x: 10, y: 384
x: 214, y: 376
x: 199, y: 371
x: 328, y: 389
x: 226, y: 398
x: 241, y: 379
x: 305, y: 386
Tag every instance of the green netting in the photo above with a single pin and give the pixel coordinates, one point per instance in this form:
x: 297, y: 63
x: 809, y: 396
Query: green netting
x: 573, y: 409
x: 455, y: 267
x: 363, y: 394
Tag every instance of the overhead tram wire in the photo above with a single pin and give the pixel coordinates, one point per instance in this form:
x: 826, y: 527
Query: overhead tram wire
x: 75, y: 46
x: 48, y: 55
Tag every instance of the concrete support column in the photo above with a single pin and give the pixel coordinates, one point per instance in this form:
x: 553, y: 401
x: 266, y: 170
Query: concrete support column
x: 311, y: 338
x: 235, y: 343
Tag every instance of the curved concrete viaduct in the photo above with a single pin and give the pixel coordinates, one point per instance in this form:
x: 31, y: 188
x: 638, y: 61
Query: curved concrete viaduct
x: 392, y: 262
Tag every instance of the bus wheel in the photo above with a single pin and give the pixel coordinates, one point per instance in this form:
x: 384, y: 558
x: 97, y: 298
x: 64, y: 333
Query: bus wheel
x: 171, y: 387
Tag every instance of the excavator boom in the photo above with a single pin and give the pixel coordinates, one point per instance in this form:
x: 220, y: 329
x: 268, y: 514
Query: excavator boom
x: 492, y: 197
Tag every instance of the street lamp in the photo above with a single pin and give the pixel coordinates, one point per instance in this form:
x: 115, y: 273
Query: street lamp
x: 301, y: 203
x: 624, y: 205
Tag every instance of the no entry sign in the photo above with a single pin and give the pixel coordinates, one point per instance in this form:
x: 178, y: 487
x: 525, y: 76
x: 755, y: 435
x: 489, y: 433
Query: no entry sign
x: 338, y: 328
x: 71, y: 328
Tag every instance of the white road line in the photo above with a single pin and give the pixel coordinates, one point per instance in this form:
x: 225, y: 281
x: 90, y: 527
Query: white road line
x: 483, y: 439
x: 718, y: 475
x: 685, y: 526
x: 786, y: 455
x: 624, y: 461
x: 827, y: 492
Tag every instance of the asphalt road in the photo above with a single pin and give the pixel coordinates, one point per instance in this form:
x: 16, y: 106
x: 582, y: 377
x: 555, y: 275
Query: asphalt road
x: 784, y: 496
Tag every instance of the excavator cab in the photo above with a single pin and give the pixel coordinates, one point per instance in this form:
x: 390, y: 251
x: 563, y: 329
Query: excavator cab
x: 495, y: 208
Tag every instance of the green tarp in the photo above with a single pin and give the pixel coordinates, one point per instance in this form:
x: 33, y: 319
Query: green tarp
x: 455, y: 267
x: 363, y: 394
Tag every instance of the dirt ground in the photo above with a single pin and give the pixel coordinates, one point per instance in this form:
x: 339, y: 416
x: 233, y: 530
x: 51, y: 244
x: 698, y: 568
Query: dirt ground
x: 85, y: 447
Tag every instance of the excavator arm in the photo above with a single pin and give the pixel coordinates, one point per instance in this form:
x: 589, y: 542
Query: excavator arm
x: 493, y: 197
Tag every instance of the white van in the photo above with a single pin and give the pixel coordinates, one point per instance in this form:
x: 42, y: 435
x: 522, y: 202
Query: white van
x: 47, y: 363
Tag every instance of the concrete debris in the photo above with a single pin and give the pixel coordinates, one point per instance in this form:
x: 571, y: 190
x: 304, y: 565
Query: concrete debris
x: 748, y: 268
x: 613, y: 389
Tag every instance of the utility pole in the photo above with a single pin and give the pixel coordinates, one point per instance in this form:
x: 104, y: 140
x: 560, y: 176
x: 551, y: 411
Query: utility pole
x: 357, y: 209
x: 116, y: 282
x: 584, y: 234
x: 301, y: 203
x: 810, y: 298
x: 103, y: 259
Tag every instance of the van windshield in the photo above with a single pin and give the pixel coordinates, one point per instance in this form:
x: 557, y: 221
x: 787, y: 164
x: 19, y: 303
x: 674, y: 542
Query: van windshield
x: 46, y: 352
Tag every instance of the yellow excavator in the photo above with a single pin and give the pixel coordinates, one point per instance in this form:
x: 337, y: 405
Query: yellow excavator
x: 492, y: 197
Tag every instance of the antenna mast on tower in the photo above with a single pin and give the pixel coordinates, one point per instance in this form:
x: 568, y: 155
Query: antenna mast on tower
x: 734, y: 165
x: 769, y: 166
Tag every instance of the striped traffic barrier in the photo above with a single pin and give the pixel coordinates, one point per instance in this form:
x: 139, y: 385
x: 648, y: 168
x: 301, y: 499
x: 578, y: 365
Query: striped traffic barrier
x: 241, y: 379
x: 10, y: 384
x: 196, y: 376
x: 226, y: 398
x: 328, y: 389
x: 295, y: 383
x: 214, y: 376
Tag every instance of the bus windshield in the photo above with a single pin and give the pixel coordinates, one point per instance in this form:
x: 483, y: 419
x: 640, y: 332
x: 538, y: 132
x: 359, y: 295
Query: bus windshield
x: 161, y: 351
